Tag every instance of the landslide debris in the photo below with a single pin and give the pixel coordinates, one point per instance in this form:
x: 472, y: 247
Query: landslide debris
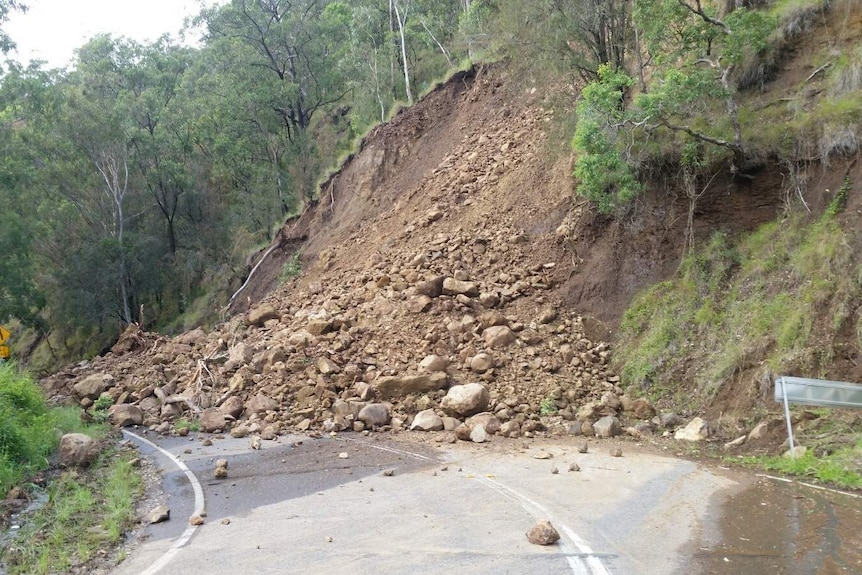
x: 437, y: 309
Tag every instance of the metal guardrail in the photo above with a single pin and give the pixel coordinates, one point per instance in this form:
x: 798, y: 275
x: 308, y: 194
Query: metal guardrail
x: 818, y: 392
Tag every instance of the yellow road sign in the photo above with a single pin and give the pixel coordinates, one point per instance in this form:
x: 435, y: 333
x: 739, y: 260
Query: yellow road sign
x: 4, y: 352
x: 4, y: 334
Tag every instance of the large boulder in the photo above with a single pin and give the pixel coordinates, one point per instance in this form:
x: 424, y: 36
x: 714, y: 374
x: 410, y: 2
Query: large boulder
x: 124, y: 415
x: 232, y: 406
x: 607, y: 427
x: 77, y: 450
x: 466, y: 400
x: 93, y: 386
x: 391, y: 386
x: 498, y: 336
x: 212, y: 420
x: 696, y: 430
x: 261, y: 403
x: 433, y: 363
x: 263, y: 313
x: 374, y: 415
x: 427, y: 420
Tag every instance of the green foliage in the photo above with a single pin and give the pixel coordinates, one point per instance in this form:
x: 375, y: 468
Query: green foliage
x: 129, y: 179
x: 19, y: 296
x: 292, y: 268
x: 839, y: 468
x: 29, y: 431
x: 604, y: 175
x: 734, y: 305
x: 689, y: 87
x: 569, y: 39
x: 83, y: 515
x: 839, y: 202
x: 548, y: 406
x: 183, y: 424
x: 100, y: 407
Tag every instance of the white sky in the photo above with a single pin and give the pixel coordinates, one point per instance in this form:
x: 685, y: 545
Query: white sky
x: 51, y: 30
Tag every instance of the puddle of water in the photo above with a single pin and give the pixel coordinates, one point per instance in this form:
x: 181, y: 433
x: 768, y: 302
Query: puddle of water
x: 784, y: 529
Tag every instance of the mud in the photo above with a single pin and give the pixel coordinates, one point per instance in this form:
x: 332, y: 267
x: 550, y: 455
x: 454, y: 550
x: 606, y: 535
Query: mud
x: 783, y: 529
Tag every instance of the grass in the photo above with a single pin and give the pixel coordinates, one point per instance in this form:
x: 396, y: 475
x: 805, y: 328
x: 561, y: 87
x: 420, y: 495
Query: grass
x: 29, y: 430
x: 183, y: 424
x: 548, y: 406
x: 840, y: 468
x: 84, y: 517
x: 753, y: 303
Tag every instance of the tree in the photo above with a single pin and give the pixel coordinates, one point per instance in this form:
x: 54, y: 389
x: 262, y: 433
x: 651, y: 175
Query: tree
x: 573, y: 37
x: 694, y: 54
x: 6, y: 7
x: 19, y: 296
x: 604, y: 167
x: 695, y: 63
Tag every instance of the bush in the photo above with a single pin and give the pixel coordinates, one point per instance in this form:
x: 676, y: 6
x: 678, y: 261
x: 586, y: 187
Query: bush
x: 29, y: 430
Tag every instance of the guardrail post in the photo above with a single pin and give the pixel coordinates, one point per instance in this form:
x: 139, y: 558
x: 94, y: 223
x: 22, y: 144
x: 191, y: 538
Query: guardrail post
x: 787, y: 418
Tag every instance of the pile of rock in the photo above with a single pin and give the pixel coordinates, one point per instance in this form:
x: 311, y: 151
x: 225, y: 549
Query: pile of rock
x: 455, y: 326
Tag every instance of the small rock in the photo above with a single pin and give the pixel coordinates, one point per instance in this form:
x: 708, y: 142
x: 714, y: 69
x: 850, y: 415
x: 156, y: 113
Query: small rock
x: 389, y: 473
x: 196, y: 520
x: 696, y: 430
x: 554, y: 470
x: 760, y: 431
x: 374, y: 415
x: 263, y: 313
x: 543, y: 533
x: 478, y: 434
x: 583, y: 447
x: 542, y: 455
x: 736, y: 442
x: 255, y: 442
x: 616, y: 452
x: 159, y: 514
x: 796, y: 452
x: 225, y: 521
x: 574, y: 467
x: 343, y: 455
x: 498, y: 336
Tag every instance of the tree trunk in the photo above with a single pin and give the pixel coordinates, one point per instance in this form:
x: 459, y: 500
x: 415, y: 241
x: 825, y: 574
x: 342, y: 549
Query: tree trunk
x: 401, y: 22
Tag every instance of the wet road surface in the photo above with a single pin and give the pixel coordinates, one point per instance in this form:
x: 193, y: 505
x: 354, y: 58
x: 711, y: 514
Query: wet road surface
x: 298, y: 505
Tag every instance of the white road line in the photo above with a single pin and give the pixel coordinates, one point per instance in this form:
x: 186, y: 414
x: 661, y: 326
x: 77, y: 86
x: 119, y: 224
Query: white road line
x: 585, y: 562
x: 162, y: 561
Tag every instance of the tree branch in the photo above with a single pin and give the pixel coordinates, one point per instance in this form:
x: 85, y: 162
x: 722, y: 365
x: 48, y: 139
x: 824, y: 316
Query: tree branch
x: 697, y: 9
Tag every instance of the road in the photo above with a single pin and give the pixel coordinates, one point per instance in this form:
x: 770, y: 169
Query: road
x: 298, y: 505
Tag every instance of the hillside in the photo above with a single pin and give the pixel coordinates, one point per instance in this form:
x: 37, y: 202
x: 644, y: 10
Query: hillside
x: 450, y: 249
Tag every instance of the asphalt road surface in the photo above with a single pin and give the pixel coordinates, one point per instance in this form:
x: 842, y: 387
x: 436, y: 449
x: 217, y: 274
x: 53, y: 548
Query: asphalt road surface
x: 329, y: 505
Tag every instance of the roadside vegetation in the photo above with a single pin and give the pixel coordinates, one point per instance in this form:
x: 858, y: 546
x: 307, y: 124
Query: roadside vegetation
x: 29, y: 430
x: 85, y: 516
x: 79, y: 513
